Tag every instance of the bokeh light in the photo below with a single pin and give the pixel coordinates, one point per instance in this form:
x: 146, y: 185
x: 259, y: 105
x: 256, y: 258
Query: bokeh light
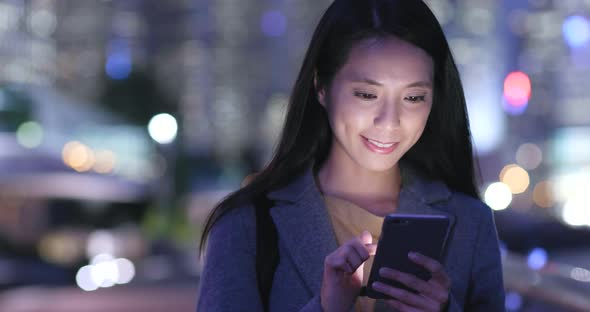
x: 100, y: 242
x: 580, y: 274
x: 78, y: 156
x: 104, y: 161
x: 517, y: 92
x: 29, y: 134
x: 84, y: 279
x: 61, y: 248
x: 498, y: 196
x: 571, y: 185
x: 576, y: 31
x: 163, y: 128
x: 515, y: 177
x: 105, y: 271
x: 513, y: 301
x: 537, y: 258
x: 543, y: 194
x: 529, y: 156
x: 126, y: 270
x: 575, y: 211
x: 119, y: 64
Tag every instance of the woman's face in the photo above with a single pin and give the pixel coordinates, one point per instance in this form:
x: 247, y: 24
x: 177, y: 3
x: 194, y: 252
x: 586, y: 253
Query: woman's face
x: 378, y: 103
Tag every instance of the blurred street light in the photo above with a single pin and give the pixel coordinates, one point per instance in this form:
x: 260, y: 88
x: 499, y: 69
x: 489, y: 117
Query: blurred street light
x: 163, y: 128
x: 498, y: 196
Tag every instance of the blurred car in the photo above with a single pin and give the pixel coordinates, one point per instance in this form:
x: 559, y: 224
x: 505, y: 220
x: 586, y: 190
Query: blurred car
x: 66, y: 170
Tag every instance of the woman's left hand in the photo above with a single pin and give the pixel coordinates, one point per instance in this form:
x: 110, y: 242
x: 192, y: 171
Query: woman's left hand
x: 433, y: 295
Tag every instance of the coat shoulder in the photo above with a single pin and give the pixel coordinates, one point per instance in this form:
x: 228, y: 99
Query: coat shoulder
x: 237, y: 225
x: 469, y: 207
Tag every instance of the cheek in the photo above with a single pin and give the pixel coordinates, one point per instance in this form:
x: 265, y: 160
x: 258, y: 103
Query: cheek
x: 346, y: 115
x: 415, y: 122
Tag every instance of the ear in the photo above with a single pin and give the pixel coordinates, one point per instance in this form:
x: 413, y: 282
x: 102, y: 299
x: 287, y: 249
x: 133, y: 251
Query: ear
x: 320, y: 91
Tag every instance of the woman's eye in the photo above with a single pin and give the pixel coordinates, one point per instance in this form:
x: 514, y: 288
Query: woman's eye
x: 365, y: 95
x: 416, y: 98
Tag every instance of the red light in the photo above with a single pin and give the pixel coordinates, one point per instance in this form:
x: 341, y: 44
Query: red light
x: 517, y: 89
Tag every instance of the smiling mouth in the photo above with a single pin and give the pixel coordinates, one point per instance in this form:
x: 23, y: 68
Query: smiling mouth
x: 379, y: 144
x: 380, y: 147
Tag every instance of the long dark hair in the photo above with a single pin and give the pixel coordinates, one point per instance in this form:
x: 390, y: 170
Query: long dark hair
x: 443, y: 152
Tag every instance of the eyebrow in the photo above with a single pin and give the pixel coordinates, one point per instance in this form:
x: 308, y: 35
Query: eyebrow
x: 423, y: 84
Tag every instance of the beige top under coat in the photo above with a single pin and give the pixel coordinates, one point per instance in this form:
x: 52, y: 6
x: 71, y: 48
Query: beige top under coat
x: 348, y: 221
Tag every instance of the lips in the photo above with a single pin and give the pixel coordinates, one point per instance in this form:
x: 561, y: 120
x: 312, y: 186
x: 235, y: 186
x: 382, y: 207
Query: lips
x: 378, y: 146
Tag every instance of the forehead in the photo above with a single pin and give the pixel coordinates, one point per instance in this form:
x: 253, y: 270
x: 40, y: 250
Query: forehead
x: 388, y: 58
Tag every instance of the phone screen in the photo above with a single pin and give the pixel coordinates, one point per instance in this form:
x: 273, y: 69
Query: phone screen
x: 400, y: 234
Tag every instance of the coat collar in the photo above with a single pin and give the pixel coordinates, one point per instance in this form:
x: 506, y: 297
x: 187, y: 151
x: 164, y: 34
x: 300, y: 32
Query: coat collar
x: 303, y: 223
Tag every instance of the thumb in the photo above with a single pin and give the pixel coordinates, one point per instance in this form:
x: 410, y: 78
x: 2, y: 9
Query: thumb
x: 367, y: 240
x: 366, y: 237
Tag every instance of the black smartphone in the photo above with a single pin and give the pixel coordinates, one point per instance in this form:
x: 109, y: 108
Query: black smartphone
x: 400, y: 234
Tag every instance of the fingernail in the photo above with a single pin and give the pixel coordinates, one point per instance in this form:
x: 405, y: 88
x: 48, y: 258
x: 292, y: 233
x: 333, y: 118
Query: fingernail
x: 413, y: 255
x: 377, y: 285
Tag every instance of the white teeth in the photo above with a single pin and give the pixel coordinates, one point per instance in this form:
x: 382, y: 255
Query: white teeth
x: 381, y: 144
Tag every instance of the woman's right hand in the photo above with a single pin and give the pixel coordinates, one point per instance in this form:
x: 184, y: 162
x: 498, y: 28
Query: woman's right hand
x: 343, y: 273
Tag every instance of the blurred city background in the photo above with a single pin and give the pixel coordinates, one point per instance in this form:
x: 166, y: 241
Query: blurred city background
x: 122, y: 122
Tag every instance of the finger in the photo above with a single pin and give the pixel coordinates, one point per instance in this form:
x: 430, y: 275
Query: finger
x: 407, y: 298
x: 337, y: 262
x: 366, y: 237
x: 429, y: 290
x: 359, y: 248
x: 352, y: 253
x: 434, y: 267
x: 406, y: 279
x: 371, y: 249
x: 367, y: 240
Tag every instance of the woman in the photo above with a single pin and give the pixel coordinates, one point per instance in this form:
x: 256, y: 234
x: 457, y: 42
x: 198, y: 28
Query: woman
x: 376, y: 125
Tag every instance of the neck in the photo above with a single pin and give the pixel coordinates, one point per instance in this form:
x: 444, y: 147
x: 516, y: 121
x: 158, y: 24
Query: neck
x: 375, y: 191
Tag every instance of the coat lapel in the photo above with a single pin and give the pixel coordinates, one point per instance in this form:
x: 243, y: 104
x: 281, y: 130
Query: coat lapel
x: 421, y: 197
x: 303, y: 224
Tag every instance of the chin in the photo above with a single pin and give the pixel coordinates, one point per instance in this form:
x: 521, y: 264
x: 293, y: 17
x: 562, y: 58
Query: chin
x: 379, y: 165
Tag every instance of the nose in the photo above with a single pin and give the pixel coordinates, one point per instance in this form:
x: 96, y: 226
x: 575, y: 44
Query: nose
x: 387, y: 117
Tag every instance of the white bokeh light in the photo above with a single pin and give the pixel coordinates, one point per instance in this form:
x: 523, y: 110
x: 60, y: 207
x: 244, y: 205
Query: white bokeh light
x: 163, y: 128
x: 105, y: 271
x: 84, y: 279
x: 126, y: 270
x: 575, y: 211
x: 100, y: 242
x: 580, y: 274
x: 498, y: 196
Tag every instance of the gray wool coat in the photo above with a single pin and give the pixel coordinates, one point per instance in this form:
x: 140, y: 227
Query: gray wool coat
x: 306, y: 237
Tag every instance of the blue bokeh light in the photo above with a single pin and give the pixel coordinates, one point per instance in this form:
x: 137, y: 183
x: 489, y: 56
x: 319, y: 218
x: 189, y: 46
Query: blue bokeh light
x: 118, y: 64
x: 537, y: 258
x: 513, y: 301
x: 576, y: 31
x: 273, y: 23
x: 503, y: 249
